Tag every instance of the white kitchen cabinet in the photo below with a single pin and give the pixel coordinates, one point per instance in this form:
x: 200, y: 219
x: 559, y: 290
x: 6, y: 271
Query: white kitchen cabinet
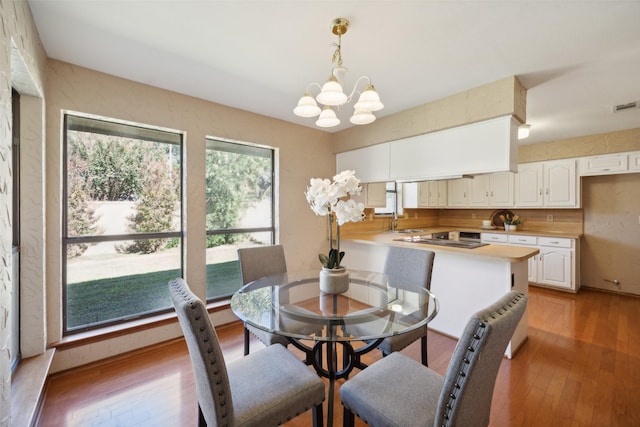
x: 436, y: 193
x: 560, y: 183
x: 458, y: 192
x: 529, y: 185
x: 634, y: 161
x: 494, y: 238
x: 494, y: 189
x: 555, y: 266
x: 477, y: 148
x: 547, y: 184
x: 479, y: 188
x: 603, y: 165
x: 424, y: 194
x: 502, y: 192
x: 371, y: 164
x: 373, y: 195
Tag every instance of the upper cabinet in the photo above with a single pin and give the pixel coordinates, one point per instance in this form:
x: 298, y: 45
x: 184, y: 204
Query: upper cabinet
x: 425, y: 194
x: 478, y: 148
x: 609, y: 164
x: 547, y: 184
x: 375, y: 194
x: 489, y: 190
x: 370, y: 163
x: 603, y: 165
x: 634, y: 161
x: 458, y: 192
x: 494, y: 189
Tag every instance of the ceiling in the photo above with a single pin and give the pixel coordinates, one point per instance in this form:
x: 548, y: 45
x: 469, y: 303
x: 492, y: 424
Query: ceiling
x: 576, y: 58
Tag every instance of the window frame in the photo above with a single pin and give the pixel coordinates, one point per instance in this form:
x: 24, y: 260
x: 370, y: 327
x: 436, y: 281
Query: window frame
x: 67, y: 240
x: 273, y: 228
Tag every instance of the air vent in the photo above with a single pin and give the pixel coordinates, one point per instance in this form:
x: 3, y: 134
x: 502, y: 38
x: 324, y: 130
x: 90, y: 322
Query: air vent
x: 629, y: 106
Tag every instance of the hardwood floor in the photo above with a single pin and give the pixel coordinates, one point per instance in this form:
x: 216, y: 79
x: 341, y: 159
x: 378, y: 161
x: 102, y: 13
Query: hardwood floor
x: 579, y: 367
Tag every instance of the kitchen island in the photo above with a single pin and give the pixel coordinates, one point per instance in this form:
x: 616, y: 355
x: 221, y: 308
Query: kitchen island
x: 463, y: 280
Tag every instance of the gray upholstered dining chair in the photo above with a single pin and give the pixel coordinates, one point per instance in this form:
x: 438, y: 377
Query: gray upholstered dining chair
x: 266, y: 388
x: 408, y: 267
x: 257, y: 262
x: 398, y: 391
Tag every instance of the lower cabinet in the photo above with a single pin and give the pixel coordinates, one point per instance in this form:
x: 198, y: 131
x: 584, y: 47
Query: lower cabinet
x: 554, y: 267
x: 557, y: 264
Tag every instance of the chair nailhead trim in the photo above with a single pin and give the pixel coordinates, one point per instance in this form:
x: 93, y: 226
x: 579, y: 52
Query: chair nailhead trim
x: 477, y: 337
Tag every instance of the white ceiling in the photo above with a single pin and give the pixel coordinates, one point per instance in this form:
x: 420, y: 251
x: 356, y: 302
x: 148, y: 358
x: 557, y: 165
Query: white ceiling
x: 576, y: 58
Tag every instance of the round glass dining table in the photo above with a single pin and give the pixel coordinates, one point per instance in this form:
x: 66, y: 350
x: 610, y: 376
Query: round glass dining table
x: 375, y: 306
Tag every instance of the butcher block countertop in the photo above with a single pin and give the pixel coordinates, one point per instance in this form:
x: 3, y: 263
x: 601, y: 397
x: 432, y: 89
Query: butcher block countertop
x: 502, y: 252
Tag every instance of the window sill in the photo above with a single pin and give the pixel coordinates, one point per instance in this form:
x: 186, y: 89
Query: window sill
x: 27, y: 388
x: 97, y: 335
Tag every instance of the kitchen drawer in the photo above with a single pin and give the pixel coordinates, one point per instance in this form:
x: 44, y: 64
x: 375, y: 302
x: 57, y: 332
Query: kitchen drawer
x: 493, y: 238
x: 555, y: 242
x: 523, y: 240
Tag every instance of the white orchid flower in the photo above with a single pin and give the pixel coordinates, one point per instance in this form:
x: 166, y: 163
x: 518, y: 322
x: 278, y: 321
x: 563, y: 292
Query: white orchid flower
x: 348, y: 211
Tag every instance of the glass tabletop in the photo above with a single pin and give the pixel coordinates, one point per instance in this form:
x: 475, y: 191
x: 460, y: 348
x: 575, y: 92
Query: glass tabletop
x: 374, y: 306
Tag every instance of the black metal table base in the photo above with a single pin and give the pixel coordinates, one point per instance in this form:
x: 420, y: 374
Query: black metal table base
x: 350, y: 359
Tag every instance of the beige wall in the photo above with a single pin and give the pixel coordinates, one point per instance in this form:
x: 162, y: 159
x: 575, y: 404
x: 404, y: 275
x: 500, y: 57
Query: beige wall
x: 590, y: 145
x: 610, y: 248
x: 303, y: 153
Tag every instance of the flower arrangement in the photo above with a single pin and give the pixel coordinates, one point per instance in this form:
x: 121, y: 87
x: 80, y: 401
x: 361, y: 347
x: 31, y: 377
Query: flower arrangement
x: 333, y: 199
x: 511, y: 219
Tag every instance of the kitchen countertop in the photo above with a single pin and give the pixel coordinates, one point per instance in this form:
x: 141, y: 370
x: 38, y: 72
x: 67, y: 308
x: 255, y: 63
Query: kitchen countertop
x: 503, y: 252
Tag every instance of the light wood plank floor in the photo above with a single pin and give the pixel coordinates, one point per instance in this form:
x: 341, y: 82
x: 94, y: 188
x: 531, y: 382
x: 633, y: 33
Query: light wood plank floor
x: 580, y: 367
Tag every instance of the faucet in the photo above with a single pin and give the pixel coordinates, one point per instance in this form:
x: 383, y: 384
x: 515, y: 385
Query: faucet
x: 394, y: 221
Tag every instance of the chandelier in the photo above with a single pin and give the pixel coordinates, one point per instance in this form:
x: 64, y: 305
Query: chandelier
x: 332, y: 95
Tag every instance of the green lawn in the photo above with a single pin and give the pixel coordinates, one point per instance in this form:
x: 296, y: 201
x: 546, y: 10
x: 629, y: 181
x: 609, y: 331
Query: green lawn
x: 98, y: 301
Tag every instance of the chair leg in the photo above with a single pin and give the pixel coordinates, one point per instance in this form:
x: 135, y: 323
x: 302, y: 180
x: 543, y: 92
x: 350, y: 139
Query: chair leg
x: 318, y: 420
x: 247, y: 338
x: 201, y: 421
x: 423, y: 347
x: 348, y: 419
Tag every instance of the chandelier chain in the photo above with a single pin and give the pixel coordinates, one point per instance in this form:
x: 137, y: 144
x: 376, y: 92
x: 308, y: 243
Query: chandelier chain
x: 337, y: 55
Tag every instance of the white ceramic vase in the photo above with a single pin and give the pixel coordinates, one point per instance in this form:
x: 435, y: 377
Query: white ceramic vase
x: 334, y: 280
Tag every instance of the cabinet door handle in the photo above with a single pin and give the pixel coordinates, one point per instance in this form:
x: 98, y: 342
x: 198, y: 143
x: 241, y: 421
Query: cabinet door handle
x: 554, y: 243
x: 547, y: 192
x: 541, y: 191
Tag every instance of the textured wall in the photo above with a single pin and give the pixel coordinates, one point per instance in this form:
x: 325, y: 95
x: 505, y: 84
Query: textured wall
x: 21, y: 63
x: 303, y: 153
x: 611, y: 245
x: 590, y: 145
x: 5, y: 221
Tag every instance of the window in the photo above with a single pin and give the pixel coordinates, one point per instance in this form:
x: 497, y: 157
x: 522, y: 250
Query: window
x: 239, y: 207
x: 393, y: 196
x: 122, y: 221
x: 15, y: 246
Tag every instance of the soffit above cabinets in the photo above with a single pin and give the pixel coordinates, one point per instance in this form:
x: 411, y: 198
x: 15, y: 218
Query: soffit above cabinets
x: 479, y: 148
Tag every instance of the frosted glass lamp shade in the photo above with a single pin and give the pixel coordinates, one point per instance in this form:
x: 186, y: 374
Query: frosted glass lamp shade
x: 331, y: 93
x: 362, y: 117
x: 327, y: 118
x: 523, y: 131
x: 369, y: 100
x: 307, y: 107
